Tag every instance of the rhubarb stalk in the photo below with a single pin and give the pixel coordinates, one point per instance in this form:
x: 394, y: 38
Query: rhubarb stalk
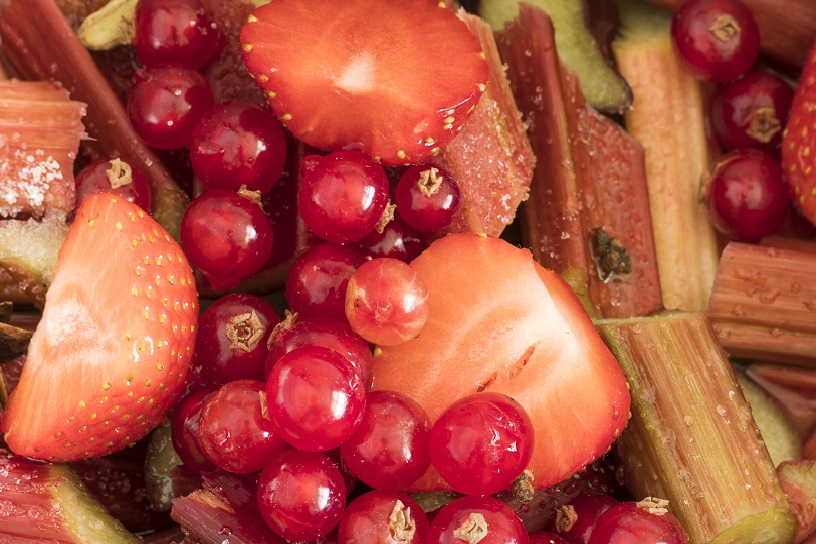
x: 40, y: 44
x: 588, y: 213
x: 668, y: 119
x: 763, y: 305
x: 691, y: 438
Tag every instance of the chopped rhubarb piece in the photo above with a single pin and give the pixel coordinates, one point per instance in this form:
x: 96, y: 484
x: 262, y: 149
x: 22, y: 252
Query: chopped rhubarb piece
x: 25, y: 25
x: 793, y: 388
x: 691, y: 438
x: 43, y: 502
x: 160, y: 459
x: 225, y: 506
x: 588, y: 215
x: 786, y: 27
x: 763, y: 304
x: 491, y: 158
x: 799, y: 482
x: 668, y: 118
x: 118, y: 482
x: 13, y: 342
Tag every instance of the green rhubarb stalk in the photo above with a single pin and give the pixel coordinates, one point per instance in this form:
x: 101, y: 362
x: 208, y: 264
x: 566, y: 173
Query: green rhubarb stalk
x: 691, y: 438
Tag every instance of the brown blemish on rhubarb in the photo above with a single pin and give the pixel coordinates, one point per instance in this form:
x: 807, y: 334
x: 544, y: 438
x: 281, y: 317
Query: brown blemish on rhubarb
x: 764, y: 125
x: 429, y: 181
x: 119, y: 174
x: 725, y: 27
x: 473, y: 529
x: 244, y: 331
x: 401, y: 523
x: 565, y: 518
x: 610, y: 254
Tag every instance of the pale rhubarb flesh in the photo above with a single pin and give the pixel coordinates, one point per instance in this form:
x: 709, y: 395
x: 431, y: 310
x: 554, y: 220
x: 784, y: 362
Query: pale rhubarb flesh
x: 668, y: 118
x: 589, y: 180
x: 490, y: 158
x: 763, y: 305
x: 691, y: 438
x: 25, y: 26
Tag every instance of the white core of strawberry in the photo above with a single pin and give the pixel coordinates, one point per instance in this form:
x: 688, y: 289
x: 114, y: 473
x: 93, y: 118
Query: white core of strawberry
x: 358, y: 75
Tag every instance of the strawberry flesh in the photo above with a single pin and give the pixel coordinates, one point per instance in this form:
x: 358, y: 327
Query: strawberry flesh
x: 115, y: 341
x: 500, y: 322
x: 395, y: 79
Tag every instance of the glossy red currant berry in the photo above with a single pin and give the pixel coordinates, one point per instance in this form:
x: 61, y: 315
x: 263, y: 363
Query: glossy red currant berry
x: 716, y: 40
x: 323, y: 332
x: 481, y: 443
x: 116, y: 177
x: 184, y: 428
x: 576, y: 520
x: 751, y: 112
x: 232, y: 337
x: 174, y: 31
x: 387, y: 302
x: 747, y: 195
x: 637, y: 523
x: 427, y: 197
x: 479, y: 519
x: 383, y: 517
x: 238, y: 143
x: 545, y: 537
x: 234, y: 432
x: 396, y: 241
x: 317, y: 282
x: 343, y: 198
x: 226, y: 236
x: 301, y: 495
x: 315, y: 399
x: 390, y: 448
x: 165, y: 104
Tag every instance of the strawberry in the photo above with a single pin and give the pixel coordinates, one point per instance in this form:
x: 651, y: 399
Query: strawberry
x: 498, y: 321
x: 114, y: 344
x: 799, y: 142
x: 394, y: 79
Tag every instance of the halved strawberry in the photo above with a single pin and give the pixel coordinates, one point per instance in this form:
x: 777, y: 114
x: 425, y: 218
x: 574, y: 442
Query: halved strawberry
x: 499, y: 321
x: 114, y: 344
x: 395, y: 79
x: 799, y: 142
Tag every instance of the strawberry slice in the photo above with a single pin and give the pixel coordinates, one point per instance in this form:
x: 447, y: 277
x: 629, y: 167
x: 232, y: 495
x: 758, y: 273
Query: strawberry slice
x: 114, y: 344
x: 799, y: 142
x: 395, y: 79
x: 498, y: 321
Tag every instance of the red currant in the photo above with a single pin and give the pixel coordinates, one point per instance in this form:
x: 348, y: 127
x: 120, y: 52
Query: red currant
x: 544, y: 537
x: 232, y: 336
x: 383, y: 517
x: 301, y: 495
x: 630, y: 523
x: 165, y: 104
x: 751, y: 112
x: 323, y: 332
x: 315, y: 399
x: 184, y: 429
x: 116, y: 177
x: 317, y: 282
x: 344, y: 196
x: 481, y: 443
x: 234, y: 432
x: 586, y: 509
x: 747, y: 195
x: 174, y: 31
x: 396, y: 241
x: 237, y: 144
x: 387, y: 302
x: 477, y: 519
x: 390, y: 448
x: 227, y: 236
x: 427, y: 197
x: 717, y: 40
